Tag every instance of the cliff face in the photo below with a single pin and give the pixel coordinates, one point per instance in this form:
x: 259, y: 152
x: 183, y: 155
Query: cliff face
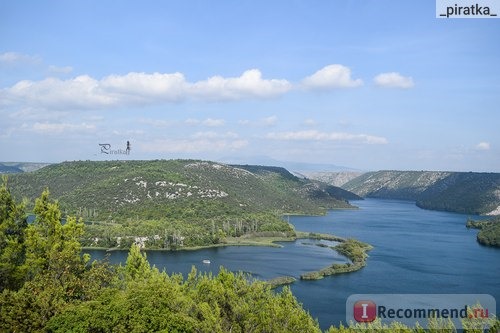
x: 463, y: 192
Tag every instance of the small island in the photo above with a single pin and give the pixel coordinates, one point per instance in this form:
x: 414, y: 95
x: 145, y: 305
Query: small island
x: 489, y: 230
x: 352, y: 249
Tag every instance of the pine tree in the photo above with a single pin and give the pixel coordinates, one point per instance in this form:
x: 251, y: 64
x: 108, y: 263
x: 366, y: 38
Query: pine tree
x: 12, y: 232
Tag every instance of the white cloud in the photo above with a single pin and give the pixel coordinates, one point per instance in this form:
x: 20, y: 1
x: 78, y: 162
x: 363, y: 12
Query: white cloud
x: 15, y: 57
x: 393, y: 80
x: 81, y: 92
x: 213, y: 122
x: 483, y: 146
x: 145, y: 88
x: 249, y: 85
x: 85, y: 92
x: 57, y: 128
x: 330, y: 77
x: 313, y: 135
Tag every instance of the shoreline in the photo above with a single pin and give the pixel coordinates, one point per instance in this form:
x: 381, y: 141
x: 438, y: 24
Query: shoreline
x: 353, y: 249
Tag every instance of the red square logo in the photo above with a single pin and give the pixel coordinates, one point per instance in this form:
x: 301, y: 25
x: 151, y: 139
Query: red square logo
x: 365, y: 311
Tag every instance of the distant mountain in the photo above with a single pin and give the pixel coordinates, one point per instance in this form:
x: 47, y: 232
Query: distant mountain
x: 289, y: 165
x: 463, y: 192
x: 18, y: 167
x: 332, y: 178
x: 109, y: 190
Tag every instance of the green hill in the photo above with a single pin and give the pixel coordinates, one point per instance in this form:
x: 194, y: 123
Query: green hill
x: 463, y: 192
x: 186, y: 202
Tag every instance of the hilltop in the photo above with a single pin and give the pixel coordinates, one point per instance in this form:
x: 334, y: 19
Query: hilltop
x: 462, y: 192
x: 19, y: 167
x: 187, y: 202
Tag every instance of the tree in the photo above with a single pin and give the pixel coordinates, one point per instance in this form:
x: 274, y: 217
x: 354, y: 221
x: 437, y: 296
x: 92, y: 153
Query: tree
x: 12, y: 232
x: 51, y: 246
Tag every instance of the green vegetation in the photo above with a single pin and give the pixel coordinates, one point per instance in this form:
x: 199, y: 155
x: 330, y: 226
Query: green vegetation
x: 52, y: 287
x: 47, y: 285
x: 281, y: 281
x: 462, y: 192
x: 435, y: 325
x: 352, y: 249
x: 177, y: 203
x: 489, y: 230
x: 18, y: 167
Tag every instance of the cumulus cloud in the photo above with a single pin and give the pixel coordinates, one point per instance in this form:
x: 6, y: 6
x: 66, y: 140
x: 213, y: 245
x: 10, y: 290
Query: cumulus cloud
x: 85, y: 92
x: 134, y: 88
x: 331, y: 77
x: 314, y: 135
x: 81, y: 92
x: 393, y: 80
x: 483, y: 146
x: 57, y: 128
x: 142, y: 87
x: 249, y: 84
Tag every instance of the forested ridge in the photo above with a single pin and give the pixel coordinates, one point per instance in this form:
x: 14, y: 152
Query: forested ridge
x: 177, y: 203
x: 461, y: 192
x: 489, y: 230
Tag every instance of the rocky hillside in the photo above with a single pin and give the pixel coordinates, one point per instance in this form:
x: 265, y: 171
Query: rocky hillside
x: 463, y: 192
x: 332, y: 178
x: 113, y: 190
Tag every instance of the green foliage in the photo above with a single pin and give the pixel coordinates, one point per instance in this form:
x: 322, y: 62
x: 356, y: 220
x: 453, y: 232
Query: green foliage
x: 12, y: 234
x: 177, y: 203
x: 462, y: 192
x: 352, y: 249
x: 157, y: 302
x: 54, y: 272
x: 489, y: 230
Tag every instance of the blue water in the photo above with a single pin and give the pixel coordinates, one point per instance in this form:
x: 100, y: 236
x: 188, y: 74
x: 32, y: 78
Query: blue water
x: 415, y: 251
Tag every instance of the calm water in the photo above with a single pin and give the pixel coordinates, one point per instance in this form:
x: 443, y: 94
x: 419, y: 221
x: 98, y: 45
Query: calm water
x: 415, y: 251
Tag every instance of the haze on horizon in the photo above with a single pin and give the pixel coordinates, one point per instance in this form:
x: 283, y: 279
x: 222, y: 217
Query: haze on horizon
x: 368, y: 85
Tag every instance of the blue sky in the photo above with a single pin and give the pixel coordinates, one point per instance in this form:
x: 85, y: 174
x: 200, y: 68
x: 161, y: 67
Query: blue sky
x: 367, y: 84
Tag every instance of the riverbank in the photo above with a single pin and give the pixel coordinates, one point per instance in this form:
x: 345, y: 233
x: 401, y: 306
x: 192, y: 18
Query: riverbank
x: 247, y: 240
x: 353, y: 249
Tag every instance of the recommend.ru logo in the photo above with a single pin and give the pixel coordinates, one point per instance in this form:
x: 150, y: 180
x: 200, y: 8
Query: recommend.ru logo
x: 413, y: 309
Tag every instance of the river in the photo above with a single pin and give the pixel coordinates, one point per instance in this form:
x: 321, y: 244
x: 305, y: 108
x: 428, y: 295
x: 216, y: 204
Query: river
x: 415, y: 251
